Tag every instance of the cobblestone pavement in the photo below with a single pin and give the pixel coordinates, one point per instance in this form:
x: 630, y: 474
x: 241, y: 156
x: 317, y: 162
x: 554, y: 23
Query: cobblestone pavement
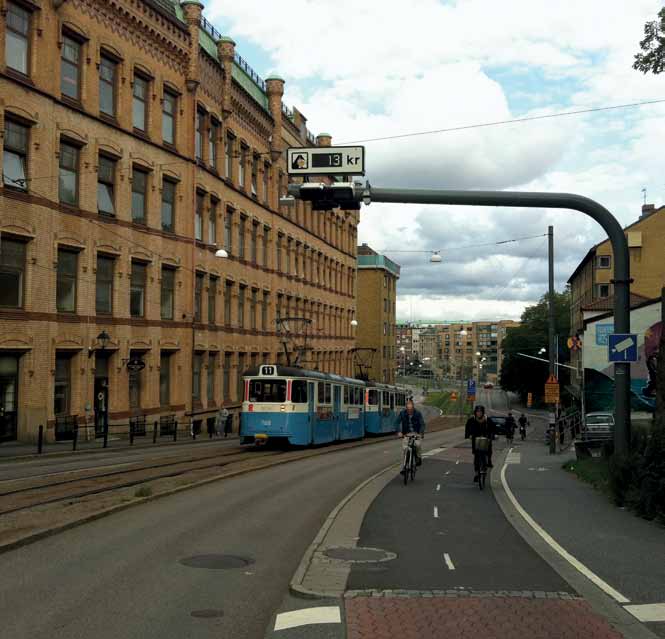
x: 537, y: 615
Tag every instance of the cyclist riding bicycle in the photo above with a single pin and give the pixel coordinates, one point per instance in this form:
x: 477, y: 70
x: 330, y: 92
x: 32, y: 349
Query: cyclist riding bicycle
x: 479, y: 426
x: 523, y: 421
x: 411, y: 420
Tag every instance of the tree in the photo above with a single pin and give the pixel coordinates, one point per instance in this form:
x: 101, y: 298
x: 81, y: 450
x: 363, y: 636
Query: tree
x: 523, y: 375
x: 652, y: 58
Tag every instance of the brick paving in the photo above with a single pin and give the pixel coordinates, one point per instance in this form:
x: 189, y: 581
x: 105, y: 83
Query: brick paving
x: 488, y: 615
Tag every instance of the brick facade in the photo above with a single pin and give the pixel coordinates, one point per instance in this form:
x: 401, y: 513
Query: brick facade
x: 134, y: 66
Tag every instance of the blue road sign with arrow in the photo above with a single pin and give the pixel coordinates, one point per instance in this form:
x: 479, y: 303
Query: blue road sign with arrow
x: 622, y: 347
x: 471, y: 388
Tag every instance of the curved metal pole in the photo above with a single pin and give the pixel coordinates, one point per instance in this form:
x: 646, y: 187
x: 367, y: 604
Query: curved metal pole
x: 550, y: 201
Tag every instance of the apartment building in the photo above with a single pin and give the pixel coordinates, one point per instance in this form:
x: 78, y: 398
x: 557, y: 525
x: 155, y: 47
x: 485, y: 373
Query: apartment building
x: 144, y: 255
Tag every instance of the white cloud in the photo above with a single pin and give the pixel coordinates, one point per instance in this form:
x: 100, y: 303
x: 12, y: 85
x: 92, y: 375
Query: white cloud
x: 384, y: 67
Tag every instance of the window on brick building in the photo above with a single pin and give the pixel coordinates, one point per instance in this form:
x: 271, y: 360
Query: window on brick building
x: 242, y: 291
x: 212, y: 221
x: 139, y: 195
x: 228, y: 230
x: 242, y: 163
x: 68, y: 177
x: 17, y: 38
x: 198, y: 216
x: 70, y: 68
x: 107, y: 85
x: 197, y: 366
x: 12, y: 272
x: 228, y: 155
x: 266, y: 182
x: 198, y: 296
x: 265, y: 241
x: 106, y: 185
x: 66, y: 281
x: 253, y: 243
x: 253, y: 304
x: 228, y: 296
x: 63, y: 384
x: 241, y: 237
x: 212, y: 300
x: 167, y: 293
x: 104, y: 285
x: 200, y: 126
x: 169, y: 112
x: 255, y: 174
x: 140, y: 92
x: 168, y: 205
x: 15, y: 155
x: 265, y: 305
x: 213, y: 137
x: 137, y: 289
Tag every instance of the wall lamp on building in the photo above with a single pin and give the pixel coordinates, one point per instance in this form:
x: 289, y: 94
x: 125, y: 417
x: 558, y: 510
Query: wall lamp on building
x: 223, y: 253
x: 104, y: 339
x: 354, y: 322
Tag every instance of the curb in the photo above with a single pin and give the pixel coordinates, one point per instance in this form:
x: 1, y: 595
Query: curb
x: 600, y: 602
x: 42, y: 534
x: 295, y: 586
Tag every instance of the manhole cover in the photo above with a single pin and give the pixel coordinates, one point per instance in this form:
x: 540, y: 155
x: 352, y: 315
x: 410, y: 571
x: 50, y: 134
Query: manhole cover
x: 207, y: 614
x: 359, y: 554
x: 216, y: 562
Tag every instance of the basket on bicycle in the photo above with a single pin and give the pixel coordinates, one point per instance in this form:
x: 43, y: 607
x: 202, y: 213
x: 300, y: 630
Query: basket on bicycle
x: 482, y: 444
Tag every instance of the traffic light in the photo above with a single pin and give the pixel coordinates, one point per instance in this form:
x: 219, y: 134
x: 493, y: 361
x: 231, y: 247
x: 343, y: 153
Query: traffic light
x: 327, y: 196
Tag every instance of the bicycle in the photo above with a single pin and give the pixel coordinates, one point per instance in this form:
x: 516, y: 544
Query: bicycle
x: 523, y: 432
x: 410, y: 458
x: 482, y: 447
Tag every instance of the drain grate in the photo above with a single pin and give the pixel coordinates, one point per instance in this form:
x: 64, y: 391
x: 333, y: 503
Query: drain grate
x: 359, y: 554
x: 209, y: 613
x: 216, y: 562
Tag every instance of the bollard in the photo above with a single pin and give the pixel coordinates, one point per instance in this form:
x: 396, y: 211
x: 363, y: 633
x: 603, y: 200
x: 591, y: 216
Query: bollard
x: 75, y: 438
x: 106, y: 430
x: 175, y: 431
x: 40, y: 439
x: 131, y: 435
x: 192, y: 430
x: 154, y: 433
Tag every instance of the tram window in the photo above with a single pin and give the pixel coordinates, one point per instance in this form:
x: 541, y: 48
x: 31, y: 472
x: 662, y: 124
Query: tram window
x: 373, y: 397
x: 299, y: 391
x: 392, y: 401
x: 386, y: 398
x: 328, y: 394
x: 346, y: 395
x: 267, y: 391
x: 321, y: 393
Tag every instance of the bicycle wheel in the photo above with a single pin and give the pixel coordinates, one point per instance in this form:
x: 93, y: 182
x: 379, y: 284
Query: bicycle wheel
x: 413, y: 466
x: 482, y: 472
x: 407, y: 463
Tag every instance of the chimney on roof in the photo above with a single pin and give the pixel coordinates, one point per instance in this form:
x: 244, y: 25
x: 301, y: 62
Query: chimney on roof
x: 647, y: 210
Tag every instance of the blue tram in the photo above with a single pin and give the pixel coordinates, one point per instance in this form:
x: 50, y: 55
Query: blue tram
x: 309, y: 407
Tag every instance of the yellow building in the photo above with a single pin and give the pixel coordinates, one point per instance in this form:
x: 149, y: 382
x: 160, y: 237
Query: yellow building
x: 591, y: 286
x: 376, y: 307
x: 137, y: 144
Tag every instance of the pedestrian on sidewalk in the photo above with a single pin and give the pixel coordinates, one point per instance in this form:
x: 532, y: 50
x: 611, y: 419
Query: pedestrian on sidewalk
x: 220, y: 420
x: 228, y: 425
x: 561, y: 432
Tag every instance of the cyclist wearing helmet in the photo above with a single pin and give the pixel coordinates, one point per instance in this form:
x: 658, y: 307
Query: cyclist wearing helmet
x: 479, y: 425
x: 411, y: 420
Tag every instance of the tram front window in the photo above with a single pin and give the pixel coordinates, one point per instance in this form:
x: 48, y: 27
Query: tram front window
x: 373, y: 397
x: 263, y: 391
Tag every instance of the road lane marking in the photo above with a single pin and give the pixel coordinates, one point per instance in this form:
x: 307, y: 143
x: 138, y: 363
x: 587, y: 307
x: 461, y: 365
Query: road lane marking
x: 449, y: 561
x: 438, y: 487
x: 434, y: 451
x: 307, y: 616
x: 456, y: 462
x: 648, y: 612
x: 552, y: 543
x: 436, y: 512
x: 447, y: 472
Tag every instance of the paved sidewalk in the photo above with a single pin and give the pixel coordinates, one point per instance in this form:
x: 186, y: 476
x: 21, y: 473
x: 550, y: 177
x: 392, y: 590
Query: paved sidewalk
x: 625, y: 551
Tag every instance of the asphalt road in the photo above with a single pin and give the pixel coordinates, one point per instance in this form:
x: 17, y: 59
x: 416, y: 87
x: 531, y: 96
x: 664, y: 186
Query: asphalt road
x: 123, y: 576
x: 108, y: 459
x: 447, y: 534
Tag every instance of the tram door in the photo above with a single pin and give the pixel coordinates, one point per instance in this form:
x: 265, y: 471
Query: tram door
x: 310, y: 410
x: 337, y: 409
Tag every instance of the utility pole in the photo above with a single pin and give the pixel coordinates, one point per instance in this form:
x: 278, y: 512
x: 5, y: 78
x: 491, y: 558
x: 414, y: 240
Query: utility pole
x: 551, y: 328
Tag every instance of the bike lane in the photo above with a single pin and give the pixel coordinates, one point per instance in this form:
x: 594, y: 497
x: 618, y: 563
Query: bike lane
x: 469, y: 571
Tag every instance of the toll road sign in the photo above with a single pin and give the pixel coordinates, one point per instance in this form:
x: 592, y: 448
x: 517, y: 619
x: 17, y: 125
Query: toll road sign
x: 622, y: 347
x: 552, y: 390
x: 326, y: 160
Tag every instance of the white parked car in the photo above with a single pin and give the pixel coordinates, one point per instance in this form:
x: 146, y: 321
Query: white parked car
x: 598, y: 425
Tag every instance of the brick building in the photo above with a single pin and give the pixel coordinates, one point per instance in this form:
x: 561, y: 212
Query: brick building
x: 377, y: 298
x: 136, y: 144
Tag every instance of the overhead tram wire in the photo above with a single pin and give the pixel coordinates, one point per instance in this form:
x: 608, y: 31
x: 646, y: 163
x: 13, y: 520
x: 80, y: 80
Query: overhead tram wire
x: 528, y: 118
x: 459, y: 248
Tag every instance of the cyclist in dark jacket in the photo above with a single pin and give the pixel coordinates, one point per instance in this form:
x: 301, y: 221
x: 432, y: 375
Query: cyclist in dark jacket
x: 410, y: 420
x: 511, y: 425
x: 479, y: 426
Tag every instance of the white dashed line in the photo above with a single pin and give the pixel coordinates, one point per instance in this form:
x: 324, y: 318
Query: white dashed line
x: 307, y: 616
x: 438, y: 487
x: 456, y: 462
x: 648, y: 612
x: 436, y: 512
x: 447, y: 472
x: 552, y: 543
x: 449, y: 561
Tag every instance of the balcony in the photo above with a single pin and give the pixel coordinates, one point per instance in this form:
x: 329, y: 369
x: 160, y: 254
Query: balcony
x: 379, y: 261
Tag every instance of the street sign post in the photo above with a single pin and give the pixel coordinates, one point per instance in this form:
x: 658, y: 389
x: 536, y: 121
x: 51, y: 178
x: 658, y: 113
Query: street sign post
x: 326, y: 160
x: 471, y: 389
x: 622, y: 347
x: 552, y: 390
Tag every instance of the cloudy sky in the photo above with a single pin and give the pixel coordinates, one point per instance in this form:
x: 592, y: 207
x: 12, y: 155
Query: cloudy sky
x: 374, y: 68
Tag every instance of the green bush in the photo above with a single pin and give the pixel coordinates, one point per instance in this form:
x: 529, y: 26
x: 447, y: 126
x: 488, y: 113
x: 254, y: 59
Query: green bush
x: 637, y: 480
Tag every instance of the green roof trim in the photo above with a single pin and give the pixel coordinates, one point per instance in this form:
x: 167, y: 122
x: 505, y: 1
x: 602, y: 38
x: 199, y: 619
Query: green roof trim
x: 379, y: 261
x: 324, y: 135
x: 250, y: 86
x: 275, y: 77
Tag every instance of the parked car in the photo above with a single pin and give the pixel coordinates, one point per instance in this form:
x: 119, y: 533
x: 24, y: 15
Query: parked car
x: 488, y: 385
x: 598, y: 425
x: 499, y: 423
